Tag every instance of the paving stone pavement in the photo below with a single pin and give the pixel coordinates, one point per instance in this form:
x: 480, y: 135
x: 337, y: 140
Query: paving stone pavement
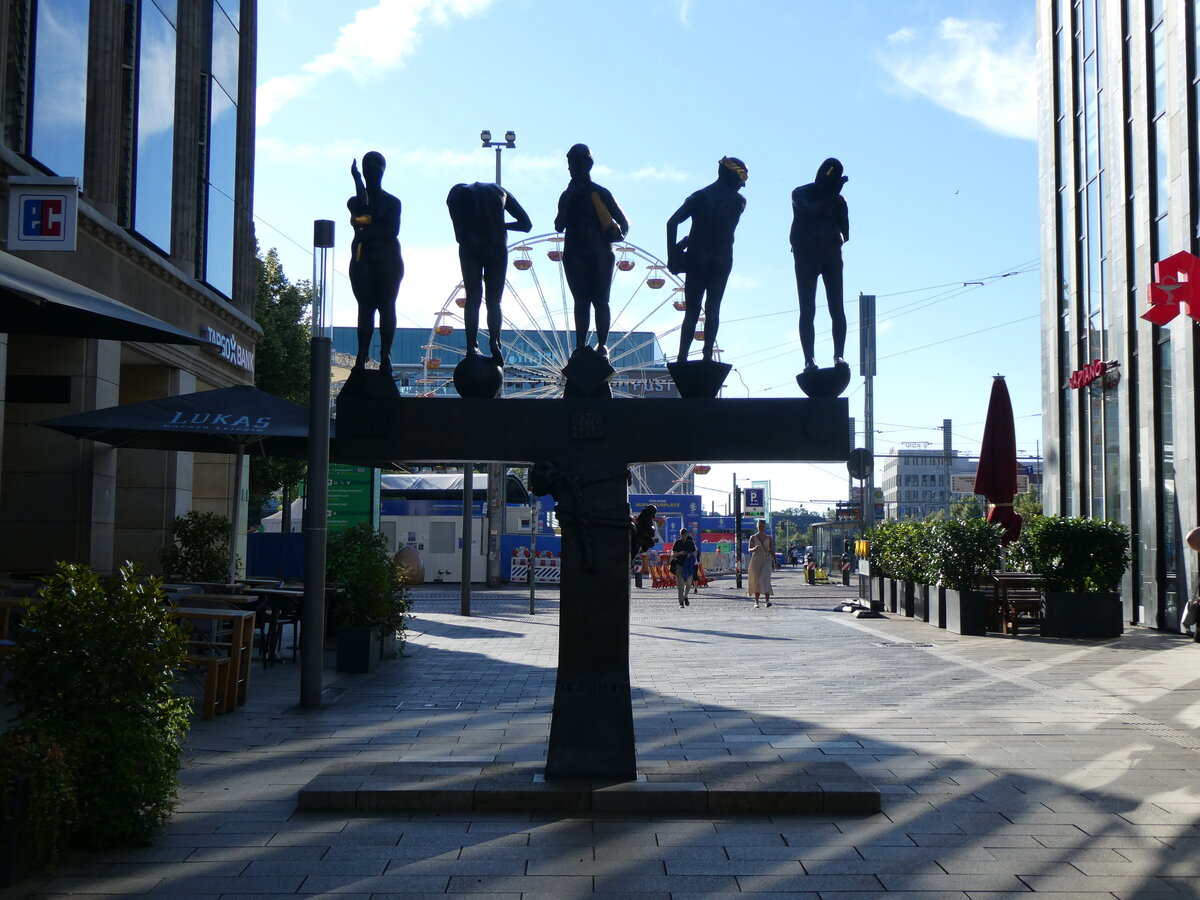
x: 1007, y: 765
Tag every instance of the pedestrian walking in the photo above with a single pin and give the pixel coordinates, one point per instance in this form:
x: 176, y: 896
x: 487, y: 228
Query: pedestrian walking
x: 683, y: 560
x: 762, y: 561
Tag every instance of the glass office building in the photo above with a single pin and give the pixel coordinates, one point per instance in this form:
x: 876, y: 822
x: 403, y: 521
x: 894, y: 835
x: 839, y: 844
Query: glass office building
x: 1118, y: 106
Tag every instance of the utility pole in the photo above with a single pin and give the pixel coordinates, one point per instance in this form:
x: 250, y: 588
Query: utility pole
x: 866, y: 343
x: 737, y: 531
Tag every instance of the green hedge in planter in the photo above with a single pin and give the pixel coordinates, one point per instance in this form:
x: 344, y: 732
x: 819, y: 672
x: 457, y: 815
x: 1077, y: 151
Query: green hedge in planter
x: 1073, y: 554
x: 94, y: 673
x: 37, y: 803
x: 374, y: 590
x: 199, y: 548
x: 964, y: 552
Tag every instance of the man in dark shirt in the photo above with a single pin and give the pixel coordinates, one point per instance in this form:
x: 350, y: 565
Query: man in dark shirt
x: 706, y: 254
x: 820, y: 225
x: 591, y: 221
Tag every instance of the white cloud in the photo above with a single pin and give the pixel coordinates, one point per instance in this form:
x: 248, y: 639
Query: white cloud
x: 377, y: 40
x: 972, y: 68
x: 685, y: 10
x: 654, y: 173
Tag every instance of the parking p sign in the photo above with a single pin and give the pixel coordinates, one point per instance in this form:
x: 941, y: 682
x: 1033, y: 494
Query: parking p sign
x: 42, y: 213
x: 755, y: 504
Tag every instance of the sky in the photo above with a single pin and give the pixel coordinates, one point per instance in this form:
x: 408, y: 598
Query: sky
x: 929, y: 104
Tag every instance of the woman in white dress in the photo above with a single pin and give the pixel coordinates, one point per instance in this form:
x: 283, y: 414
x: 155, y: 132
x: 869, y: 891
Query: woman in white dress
x: 762, y: 561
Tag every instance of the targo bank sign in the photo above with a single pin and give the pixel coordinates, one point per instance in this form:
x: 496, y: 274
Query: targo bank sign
x: 231, y: 350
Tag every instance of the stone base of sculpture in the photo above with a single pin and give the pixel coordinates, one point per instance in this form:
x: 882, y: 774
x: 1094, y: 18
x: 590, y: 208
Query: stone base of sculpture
x: 373, y: 384
x: 700, y: 378
x: 824, y: 382
x: 587, y: 374
x: 479, y: 376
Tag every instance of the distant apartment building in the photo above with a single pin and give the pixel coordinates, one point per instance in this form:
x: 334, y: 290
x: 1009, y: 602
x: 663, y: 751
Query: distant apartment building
x: 917, y: 480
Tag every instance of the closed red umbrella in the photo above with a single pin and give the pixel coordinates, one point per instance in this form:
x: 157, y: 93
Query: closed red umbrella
x: 996, y: 477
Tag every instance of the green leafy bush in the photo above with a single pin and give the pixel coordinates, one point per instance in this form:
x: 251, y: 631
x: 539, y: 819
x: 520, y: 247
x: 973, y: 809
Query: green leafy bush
x: 374, y: 592
x: 1073, y: 555
x: 964, y: 552
x: 94, y: 672
x: 35, y: 780
x: 199, y: 549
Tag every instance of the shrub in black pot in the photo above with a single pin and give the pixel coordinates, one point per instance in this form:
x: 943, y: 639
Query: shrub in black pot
x: 37, y: 803
x: 372, y: 605
x: 199, y: 548
x: 1081, y: 562
x: 965, y: 552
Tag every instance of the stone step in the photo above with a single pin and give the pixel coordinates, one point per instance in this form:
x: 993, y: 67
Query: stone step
x: 722, y: 787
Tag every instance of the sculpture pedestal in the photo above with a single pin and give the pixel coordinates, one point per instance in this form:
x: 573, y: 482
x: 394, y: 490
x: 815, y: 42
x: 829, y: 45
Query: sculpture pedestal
x: 582, y: 449
x: 824, y: 382
x: 478, y: 376
x: 588, y: 374
x: 700, y: 378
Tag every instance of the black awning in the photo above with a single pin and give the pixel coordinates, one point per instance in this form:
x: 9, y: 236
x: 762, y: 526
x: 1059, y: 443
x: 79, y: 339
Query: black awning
x: 36, y: 301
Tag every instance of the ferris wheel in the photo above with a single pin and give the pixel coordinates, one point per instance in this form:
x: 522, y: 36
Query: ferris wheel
x: 539, y: 324
x: 538, y: 333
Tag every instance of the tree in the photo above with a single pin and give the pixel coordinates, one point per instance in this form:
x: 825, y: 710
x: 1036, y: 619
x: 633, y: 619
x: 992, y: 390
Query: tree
x: 966, y: 506
x: 281, y: 367
x: 1028, y: 505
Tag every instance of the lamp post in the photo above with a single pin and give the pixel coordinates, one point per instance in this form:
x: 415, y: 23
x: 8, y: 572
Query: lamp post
x: 497, y: 490
x: 509, y: 143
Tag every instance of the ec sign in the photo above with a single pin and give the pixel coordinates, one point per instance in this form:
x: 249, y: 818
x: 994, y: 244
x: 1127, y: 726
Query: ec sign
x: 42, y: 213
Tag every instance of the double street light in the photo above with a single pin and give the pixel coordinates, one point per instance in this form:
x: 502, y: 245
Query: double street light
x: 509, y: 143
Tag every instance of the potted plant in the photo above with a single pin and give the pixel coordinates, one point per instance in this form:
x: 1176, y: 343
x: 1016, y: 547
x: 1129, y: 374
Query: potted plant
x: 372, y: 600
x: 906, y: 561
x: 94, y: 673
x: 965, y: 552
x: 199, y: 548
x: 1081, y: 561
x: 876, y: 539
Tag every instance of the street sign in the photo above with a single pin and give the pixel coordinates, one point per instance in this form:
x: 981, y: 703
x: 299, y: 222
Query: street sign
x: 860, y: 464
x: 754, y: 501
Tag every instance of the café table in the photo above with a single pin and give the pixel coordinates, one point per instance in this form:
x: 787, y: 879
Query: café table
x: 1016, y: 600
x: 278, y: 605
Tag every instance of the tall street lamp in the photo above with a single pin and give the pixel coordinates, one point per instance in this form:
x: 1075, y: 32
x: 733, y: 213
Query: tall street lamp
x: 509, y: 143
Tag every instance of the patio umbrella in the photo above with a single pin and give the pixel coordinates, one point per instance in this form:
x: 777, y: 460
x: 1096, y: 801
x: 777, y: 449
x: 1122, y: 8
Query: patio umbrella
x: 227, y: 420
x: 996, y: 477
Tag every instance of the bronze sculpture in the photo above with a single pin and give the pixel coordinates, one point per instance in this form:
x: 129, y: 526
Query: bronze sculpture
x: 376, y: 267
x: 706, y: 254
x: 820, y: 225
x: 477, y: 211
x: 591, y: 221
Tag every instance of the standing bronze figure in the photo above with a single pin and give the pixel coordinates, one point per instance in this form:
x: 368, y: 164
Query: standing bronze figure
x: 477, y: 211
x: 820, y: 225
x: 376, y: 266
x: 706, y: 254
x: 591, y: 221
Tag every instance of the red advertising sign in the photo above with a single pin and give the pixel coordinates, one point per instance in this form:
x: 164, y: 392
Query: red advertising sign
x: 1097, y: 368
x: 1174, y: 280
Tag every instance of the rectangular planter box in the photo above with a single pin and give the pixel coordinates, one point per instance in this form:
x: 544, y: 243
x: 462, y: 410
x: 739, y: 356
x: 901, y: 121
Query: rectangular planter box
x: 357, y: 649
x: 907, y: 598
x: 921, y: 601
x: 937, y: 606
x: 1094, y: 616
x: 893, y: 593
x: 967, y: 611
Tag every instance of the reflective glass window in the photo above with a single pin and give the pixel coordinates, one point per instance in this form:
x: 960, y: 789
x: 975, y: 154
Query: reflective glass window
x: 59, y: 100
x: 222, y: 152
x: 154, y: 156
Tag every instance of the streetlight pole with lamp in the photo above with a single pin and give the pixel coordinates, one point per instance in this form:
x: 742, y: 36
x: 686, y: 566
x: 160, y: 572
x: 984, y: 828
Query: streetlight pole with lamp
x: 496, y: 489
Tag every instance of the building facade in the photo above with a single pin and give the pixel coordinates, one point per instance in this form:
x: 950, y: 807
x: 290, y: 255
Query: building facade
x: 917, y: 480
x: 149, y: 106
x: 1118, y: 106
